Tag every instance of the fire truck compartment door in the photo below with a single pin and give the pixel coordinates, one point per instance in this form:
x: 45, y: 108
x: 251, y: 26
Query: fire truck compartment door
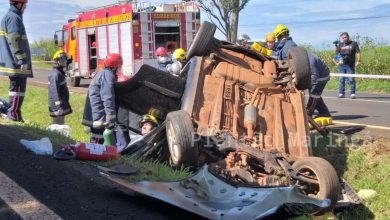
x: 83, y: 52
x: 102, y: 42
x: 126, y: 48
x: 113, y: 38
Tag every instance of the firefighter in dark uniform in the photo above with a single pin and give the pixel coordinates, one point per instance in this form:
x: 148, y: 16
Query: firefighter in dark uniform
x: 319, y: 77
x: 15, y: 58
x: 100, y: 109
x: 58, y: 90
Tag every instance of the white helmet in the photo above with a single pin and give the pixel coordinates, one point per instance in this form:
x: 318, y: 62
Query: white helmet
x: 175, y: 68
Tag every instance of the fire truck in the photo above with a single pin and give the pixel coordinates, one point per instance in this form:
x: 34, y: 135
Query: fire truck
x: 133, y: 30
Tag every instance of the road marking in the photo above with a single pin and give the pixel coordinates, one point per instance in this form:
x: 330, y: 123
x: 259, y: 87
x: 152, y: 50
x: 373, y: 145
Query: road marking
x: 23, y: 203
x: 368, y: 126
x: 356, y: 100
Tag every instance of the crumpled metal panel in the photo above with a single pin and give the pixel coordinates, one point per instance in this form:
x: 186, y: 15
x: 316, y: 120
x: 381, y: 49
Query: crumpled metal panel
x: 208, y: 196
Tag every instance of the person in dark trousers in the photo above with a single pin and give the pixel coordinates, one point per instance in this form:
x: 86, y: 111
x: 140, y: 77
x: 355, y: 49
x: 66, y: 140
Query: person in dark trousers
x: 319, y: 77
x: 58, y: 90
x: 350, y: 54
x: 100, y: 109
x: 15, y: 57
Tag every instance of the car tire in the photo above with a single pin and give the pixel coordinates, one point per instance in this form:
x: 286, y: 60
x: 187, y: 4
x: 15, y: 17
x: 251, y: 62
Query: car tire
x: 299, y: 62
x: 323, y: 171
x: 182, y: 149
x: 74, y: 81
x: 202, y: 41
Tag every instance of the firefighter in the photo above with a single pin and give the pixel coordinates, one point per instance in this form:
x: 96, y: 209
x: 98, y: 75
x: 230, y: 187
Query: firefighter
x: 163, y: 59
x: 270, y: 40
x: 58, y: 90
x: 147, y: 123
x: 178, y: 57
x: 15, y: 58
x: 285, y: 42
x: 100, y: 108
x: 319, y: 77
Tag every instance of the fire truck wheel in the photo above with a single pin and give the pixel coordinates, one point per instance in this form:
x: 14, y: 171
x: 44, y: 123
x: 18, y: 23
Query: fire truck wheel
x: 299, y: 62
x: 324, y: 182
x: 202, y: 40
x: 182, y: 149
x: 74, y: 81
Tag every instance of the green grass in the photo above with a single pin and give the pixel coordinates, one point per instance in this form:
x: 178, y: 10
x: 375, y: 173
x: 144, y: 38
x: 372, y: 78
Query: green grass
x: 42, y: 65
x: 151, y: 170
x: 363, y: 85
x: 364, y: 163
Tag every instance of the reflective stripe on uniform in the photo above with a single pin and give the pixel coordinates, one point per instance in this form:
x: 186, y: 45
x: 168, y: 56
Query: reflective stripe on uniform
x: 98, y: 123
x: 62, y: 83
x: 20, y: 94
x: 315, y: 96
x: 323, y: 78
x: 3, y: 33
x: 13, y: 71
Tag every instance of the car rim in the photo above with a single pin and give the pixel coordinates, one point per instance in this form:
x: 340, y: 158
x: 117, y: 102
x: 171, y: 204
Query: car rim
x: 172, y: 145
x: 311, y: 189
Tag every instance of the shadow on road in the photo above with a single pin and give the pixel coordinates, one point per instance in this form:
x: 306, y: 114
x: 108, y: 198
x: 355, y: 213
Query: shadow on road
x: 348, y: 117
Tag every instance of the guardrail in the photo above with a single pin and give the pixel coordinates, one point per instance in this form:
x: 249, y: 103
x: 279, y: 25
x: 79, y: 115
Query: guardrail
x: 368, y: 76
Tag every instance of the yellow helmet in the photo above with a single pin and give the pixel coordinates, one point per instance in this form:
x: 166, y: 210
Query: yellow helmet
x: 60, y: 54
x: 280, y: 29
x: 179, y: 54
x: 270, y: 37
x: 256, y: 47
x: 148, y: 118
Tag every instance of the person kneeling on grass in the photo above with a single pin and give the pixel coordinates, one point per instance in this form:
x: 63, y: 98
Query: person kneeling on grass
x: 58, y: 90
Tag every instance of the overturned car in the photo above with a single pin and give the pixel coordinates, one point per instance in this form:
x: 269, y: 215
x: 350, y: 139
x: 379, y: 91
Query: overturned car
x: 238, y: 119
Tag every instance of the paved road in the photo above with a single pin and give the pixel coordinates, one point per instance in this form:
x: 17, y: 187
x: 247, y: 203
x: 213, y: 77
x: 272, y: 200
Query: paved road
x: 368, y: 109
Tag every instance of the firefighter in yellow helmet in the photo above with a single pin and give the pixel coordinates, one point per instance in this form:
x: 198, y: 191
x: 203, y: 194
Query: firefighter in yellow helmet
x: 270, y: 40
x: 285, y: 42
x: 58, y: 92
x: 147, y: 123
x: 178, y: 58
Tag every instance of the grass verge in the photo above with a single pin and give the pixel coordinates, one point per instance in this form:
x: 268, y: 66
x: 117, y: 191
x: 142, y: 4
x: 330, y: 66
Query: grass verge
x: 363, y: 85
x: 363, y: 162
x: 42, y: 65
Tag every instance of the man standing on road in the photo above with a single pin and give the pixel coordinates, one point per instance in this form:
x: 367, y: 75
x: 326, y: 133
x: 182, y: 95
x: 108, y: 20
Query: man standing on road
x: 319, y: 77
x: 350, y: 54
x: 15, y: 57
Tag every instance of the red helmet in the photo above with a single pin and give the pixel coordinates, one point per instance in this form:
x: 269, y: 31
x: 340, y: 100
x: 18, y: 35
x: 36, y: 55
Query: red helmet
x: 161, y: 51
x: 18, y: 1
x: 113, y: 60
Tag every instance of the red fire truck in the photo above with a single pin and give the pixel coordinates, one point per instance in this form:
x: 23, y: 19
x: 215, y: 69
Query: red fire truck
x: 132, y: 30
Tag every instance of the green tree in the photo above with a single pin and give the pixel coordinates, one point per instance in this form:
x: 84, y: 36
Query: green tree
x: 48, y: 45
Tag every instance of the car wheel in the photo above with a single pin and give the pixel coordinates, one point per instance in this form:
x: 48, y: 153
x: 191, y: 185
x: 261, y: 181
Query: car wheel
x: 321, y: 171
x: 182, y: 149
x: 299, y: 63
x: 202, y: 40
x: 74, y: 81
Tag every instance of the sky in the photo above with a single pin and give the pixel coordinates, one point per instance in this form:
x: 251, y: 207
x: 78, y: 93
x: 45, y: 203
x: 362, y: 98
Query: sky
x: 314, y: 22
